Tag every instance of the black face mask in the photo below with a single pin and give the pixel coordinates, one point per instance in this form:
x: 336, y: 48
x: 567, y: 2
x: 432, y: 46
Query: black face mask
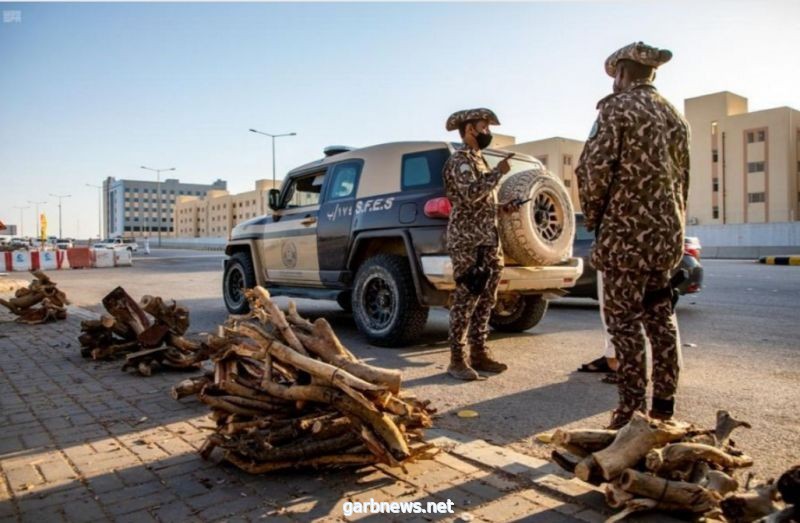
x: 484, y: 140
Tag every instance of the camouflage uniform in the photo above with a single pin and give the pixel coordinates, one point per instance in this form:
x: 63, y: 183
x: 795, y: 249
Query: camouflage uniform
x: 469, y: 184
x: 633, y: 180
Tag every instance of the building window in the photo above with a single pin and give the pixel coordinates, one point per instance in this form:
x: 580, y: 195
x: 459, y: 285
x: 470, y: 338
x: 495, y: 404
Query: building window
x: 567, y: 183
x: 761, y: 136
x: 715, y: 185
x: 751, y: 137
x: 756, y: 167
x: 542, y: 159
x: 567, y: 160
x: 756, y: 197
x: 714, y: 156
x: 715, y: 212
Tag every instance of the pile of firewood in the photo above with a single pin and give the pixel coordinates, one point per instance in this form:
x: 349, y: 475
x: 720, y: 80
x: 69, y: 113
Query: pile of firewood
x: 148, y: 333
x: 40, y: 302
x: 668, y: 466
x: 286, y: 393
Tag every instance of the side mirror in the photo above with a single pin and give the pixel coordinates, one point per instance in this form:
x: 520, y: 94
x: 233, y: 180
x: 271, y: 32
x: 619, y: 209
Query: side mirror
x: 273, y: 199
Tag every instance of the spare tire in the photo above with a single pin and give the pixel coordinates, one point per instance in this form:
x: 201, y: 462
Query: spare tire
x: 542, y: 230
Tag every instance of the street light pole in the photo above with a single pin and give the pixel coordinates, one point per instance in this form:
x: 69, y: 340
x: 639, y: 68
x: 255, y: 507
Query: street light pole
x: 37, y: 222
x: 273, y: 136
x: 158, y: 185
x: 60, y: 197
x: 99, y: 210
x: 21, y: 226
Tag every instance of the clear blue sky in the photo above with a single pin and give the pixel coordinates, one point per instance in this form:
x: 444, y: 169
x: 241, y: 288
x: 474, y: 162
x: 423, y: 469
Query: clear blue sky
x: 95, y: 90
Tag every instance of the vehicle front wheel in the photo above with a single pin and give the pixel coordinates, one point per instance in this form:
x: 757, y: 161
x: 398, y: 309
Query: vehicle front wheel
x: 517, y: 313
x: 385, y: 304
x: 239, y: 275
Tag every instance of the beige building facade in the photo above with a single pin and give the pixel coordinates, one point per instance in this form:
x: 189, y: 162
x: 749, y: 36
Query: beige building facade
x: 216, y: 214
x: 560, y: 156
x: 745, y: 166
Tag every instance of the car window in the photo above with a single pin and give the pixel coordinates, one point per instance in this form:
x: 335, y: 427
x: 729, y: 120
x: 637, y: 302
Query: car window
x: 304, y: 191
x: 423, y: 170
x: 343, y: 180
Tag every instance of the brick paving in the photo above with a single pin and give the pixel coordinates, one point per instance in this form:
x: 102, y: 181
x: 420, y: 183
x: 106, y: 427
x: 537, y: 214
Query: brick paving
x: 83, y: 441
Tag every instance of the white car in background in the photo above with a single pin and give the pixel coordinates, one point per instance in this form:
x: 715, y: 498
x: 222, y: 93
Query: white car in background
x: 118, y: 243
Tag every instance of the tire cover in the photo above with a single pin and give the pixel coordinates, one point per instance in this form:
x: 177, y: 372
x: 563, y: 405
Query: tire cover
x: 541, y: 232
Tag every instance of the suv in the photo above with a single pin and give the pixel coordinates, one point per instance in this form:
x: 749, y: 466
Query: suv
x: 366, y: 227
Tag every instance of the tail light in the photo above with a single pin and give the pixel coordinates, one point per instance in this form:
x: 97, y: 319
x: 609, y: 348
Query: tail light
x: 438, y: 208
x: 694, y: 252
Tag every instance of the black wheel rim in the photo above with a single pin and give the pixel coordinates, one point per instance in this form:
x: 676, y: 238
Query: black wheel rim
x: 235, y: 286
x: 508, y: 305
x: 379, y: 303
x: 546, y: 217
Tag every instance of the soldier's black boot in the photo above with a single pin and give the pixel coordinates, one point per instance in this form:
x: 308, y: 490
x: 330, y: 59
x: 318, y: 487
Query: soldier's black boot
x: 459, y: 368
x: 482, y: 359
x: 662, y: 409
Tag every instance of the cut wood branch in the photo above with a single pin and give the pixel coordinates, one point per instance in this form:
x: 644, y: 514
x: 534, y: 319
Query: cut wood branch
x: 726, y: 424
x: 631, y: 444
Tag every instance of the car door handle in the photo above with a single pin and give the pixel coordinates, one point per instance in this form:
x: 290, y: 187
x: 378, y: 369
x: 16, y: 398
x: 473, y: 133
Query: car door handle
x: 309, y: 220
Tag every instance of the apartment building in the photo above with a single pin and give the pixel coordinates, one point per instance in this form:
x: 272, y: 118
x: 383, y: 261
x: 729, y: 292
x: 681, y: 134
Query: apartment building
x: 218, y: 212
x: 132, y: 206
x: 745, y: 166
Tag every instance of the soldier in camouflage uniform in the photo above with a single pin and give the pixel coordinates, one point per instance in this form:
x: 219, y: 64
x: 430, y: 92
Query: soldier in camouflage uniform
x: 633, y: 183
x: 473, y: 242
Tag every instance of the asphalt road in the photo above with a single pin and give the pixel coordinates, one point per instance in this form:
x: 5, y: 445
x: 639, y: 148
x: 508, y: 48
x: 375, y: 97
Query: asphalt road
x: 741, y: 352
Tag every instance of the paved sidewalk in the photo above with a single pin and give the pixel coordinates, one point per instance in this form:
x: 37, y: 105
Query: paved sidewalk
x: 83, y: 441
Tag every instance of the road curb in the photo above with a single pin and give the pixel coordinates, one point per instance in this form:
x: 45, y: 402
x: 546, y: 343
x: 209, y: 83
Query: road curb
x: 780, y: 260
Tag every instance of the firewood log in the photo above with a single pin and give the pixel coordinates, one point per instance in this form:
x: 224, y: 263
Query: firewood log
x: 278, y: 319
x: 125, y: 310
x: 631, y: 444
x: 319, y: 369
x: 685, y: 496
x: 752, y: 505
x: 583, y: 442
x: 726, y: 424
x: 678, y: 455
x: 326, y: 349
x: 616, y: 496
x: 390, y: 438
x: 190, y: 386
x: 173, y: 316
x: 322, y: 461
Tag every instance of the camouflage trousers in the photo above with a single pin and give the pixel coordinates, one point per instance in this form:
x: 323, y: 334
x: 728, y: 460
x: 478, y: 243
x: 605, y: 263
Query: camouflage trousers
x: 469, y: 313
x: 626, y: 310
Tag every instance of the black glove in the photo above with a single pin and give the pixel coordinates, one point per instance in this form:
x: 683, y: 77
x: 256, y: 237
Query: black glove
x: 476, y: 278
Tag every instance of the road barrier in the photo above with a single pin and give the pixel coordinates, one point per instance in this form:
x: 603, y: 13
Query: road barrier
x: 780, y: 260
x: 75, y: 258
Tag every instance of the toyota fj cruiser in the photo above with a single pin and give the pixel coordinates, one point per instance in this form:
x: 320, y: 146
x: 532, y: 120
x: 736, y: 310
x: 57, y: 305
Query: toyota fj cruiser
x: 366, y: 227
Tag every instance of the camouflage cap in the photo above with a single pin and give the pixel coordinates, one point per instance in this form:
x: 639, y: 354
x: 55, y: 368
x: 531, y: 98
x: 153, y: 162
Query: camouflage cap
x: 638, y: 52
x: 471, y: 114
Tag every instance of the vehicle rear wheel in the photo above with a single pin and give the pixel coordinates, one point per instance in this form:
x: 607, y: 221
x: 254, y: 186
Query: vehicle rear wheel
x: 239, y: 275
x: 517, y: 313
x: 385, y: 304
x: 541, y: 231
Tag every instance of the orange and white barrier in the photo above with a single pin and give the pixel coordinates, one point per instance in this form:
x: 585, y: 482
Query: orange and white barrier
x: 75, y: 258
x: 102, y: 258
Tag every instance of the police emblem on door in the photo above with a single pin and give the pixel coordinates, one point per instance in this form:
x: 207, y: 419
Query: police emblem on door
x: 289, y: 255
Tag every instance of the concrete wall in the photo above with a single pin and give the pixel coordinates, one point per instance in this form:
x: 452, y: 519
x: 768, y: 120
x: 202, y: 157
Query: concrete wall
x: 747, y: 240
